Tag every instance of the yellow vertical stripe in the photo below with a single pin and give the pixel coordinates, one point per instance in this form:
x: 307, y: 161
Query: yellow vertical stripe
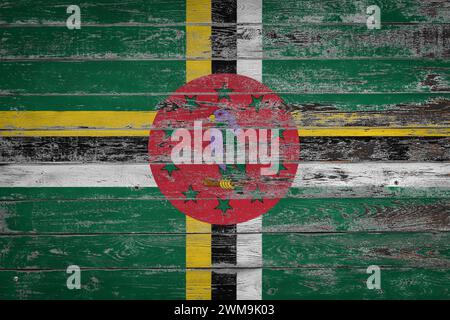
x: 198, y: 255
x: 198, y: 38
x: 198, y: 238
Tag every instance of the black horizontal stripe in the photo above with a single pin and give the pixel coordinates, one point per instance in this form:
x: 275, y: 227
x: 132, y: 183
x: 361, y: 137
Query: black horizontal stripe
x: 134, y: 149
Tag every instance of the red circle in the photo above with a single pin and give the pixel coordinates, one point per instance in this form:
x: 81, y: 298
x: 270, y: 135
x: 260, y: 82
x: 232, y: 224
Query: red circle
x: 202, y: 191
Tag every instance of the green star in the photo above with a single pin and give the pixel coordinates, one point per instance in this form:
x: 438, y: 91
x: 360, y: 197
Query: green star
x: 256, y: 102
x: 168, y: 133
x: 190, y: 194
x: 235, y: 171
x: 280, y: 168
x: 224, y: 205
x: 191, y: 103
x: 280, y: 133
x: 257, y: 195
x: 170, y: 167
x: 224, y: 92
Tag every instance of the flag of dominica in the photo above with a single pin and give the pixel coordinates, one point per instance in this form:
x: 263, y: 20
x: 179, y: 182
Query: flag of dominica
x: 224, y: 149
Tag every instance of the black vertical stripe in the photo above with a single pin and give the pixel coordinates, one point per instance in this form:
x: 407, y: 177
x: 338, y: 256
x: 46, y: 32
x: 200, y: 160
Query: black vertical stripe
x: 223, y: 244
x: 223, y: 286
x: 224, y: 54
x: 224, y: 36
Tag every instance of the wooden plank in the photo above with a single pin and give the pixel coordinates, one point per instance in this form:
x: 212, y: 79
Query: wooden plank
x: 427, y: 250
x: 85, y: 216
x: 358, y: 215
x: 294, y: 102
x: 356, y: 41
x: 147, y: 77
x: 135, y: 149
x: 93, y: 43
x: 310, y: 174
x: 103, y: 12
x: 142, y: 120
x: 304, y: 283
x: 350, y: 283
x: 145, y: 193
x: 294, y: 12
x: 91, y: 216
x: 95, y: 284
x: 418, y: 122
x: 93, y: 251
x: 356, y: 76
x: 404, y: 249
x: 165, y: 12
x: 395, y: 101
x: 280, y: 42
x: 91, y: 77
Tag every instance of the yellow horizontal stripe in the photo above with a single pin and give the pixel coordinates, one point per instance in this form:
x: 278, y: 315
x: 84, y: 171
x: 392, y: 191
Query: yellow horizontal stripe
x: 76, y: 119
x: 138, y: 123
x: 304, y: 132
x: 373, y: 132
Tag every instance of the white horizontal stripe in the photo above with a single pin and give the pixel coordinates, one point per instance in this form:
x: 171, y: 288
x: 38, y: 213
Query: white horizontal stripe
x: 377, y: 174
x: 310, y: 174
x: 77, y: 175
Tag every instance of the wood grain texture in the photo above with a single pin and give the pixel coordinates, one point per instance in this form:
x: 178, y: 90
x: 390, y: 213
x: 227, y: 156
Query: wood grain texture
x: 280, y: 42
x: 357, y: 250
x: 114, y: 215
x: 149, y: 193
x: 135, y: 149
x: 104, y: 12
x: 302, y: 283
x: 371, y: 188
x: 146, y: 77
x: 309, y: 175
x: 96, y: 284
x: 350, y: 283
x: 292, y: 12
x: 427, y: 250
x: 124, y: 251
x: 425, y: 116
x: 299, y: 102
x: 169, y: 12
x: 351, y: 76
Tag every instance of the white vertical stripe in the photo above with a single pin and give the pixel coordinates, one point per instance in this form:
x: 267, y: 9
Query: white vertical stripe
x: 249, y: 42
x: 248, y: 283
x: 249, y: 254
x: 249, y: 63
x: 249, y: 243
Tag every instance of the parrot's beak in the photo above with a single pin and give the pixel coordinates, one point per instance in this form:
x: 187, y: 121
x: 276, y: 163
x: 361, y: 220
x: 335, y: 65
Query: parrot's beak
x: 212, y: 118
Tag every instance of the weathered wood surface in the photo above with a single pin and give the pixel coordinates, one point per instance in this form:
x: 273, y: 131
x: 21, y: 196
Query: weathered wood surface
x: 106, y: 215
x: 414, y: 117
x: 350, y: 283
x: 135, y: 149
x: 282, y: 76
x: 422, y: 250
x: 165, y: 12
x: 280, y: 42
x: 317, y: 243
x: 96, y: 284
x: 309, y: 175
x: 279, y: 283
x: 145, y: 193
x: 300, y: 102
